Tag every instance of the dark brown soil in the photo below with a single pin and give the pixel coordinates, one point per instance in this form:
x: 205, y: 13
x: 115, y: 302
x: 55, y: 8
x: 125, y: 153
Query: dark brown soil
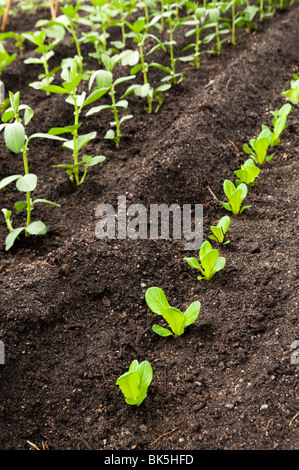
x: 73, y: 313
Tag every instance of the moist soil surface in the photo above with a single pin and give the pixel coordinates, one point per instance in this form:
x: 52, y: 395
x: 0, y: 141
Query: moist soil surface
x: 73, y: 311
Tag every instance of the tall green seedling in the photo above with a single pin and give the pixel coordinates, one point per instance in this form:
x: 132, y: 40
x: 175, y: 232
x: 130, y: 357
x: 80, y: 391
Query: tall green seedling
x: 18, y: 142
x: 140, y: 35
x: 39, y: 38
x: 105, y: 81
x: 71, y: 79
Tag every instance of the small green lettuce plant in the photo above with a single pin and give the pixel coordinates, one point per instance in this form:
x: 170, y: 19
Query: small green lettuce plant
x: 209, y: 262
x: 259, y: 148
x: 134, y: 383
x: 235, y: 196
x: 292, y: 95
x: 279, y: 125
x: 220, y: 230
x: 177, y: 320
x: 247, y: 173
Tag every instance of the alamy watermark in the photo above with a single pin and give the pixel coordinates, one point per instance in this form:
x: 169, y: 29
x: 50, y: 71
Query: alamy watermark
x: 2, y: 353
x: 136, y: 222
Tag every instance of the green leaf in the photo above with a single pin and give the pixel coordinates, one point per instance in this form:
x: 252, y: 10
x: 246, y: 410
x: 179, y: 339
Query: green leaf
x: 9, y: 179
x: 19, y: 206
x: 14, y: 135
x: 37, y: 228
x: 95, y: 160
x: 219, y: 264
x: 63, y: 130
x: 175, y: 319
x: 71, y: 86
x: 224, y: 223
x: 130, y: 58
x: 95, y: 95
x: 145, y: 372
x: 27, y: 183
x: 217, y: 231
x: 109, y: 134
x: 81, y: 141
x: 12, y: 236
x: 41, y: 135
x: 156, y: 300
x: 208, y: 261
x: 159, y: 330
x: 103, y: 78
x: 45, y: 201
x: 97, y: 109
x: 229, y: 188
x: 191, y: 314
x: 129, y: 385
x: 54, y: 89
x: 193, y: 262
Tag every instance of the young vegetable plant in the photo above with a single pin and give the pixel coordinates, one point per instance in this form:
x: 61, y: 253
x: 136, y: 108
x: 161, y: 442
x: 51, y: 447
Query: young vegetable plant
x: 134, y: 383
x: 104, y: 81
x: 197, y: 20
x: 235, y: 196
x: 177, y: 320
x: 209, y: 262
x: 259, y: 148
x: 247, y: 174
x: 173, y: 21
x: 219, y: 231
x: 279, y: 125
x: 140, y: 35
x: 39, y: 38
x: 17, y: 141
x: 69, y: 21
x: 71, y: 79
x: 221, y: 28
x: 292, y: 95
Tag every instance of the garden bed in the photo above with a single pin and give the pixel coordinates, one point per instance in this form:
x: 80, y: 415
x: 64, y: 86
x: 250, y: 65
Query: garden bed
x: 73, y: 313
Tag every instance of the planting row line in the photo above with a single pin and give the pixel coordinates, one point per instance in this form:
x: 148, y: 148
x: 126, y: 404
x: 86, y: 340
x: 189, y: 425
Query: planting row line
x: 134, y: 383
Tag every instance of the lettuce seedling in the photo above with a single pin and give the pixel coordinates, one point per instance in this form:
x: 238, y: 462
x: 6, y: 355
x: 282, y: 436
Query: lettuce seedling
x: 134, y: 383
x: 71, y: 79
x: 39, y: 38
x: 17, y: 141
x: 220, y: 230
x: 104, y: 81
x: 292, y: 95
x: 210, y: 261
x: 235, y: 196
x: 279, y: 125
x: 247, y: 174
x: 178, y: 321
x: 259, y: 148
x: 283, y: 113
